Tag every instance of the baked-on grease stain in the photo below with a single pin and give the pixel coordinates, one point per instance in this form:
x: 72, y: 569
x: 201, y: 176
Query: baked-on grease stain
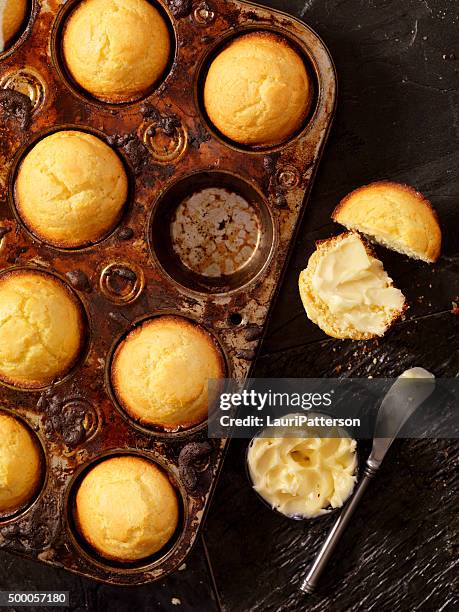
x: 280, y: 201
x: 16, y: 105
x: 123, y: 272
x: 253, y: 332
x: 125, y: 233
x: 180, y: 8
x: 246, y: 354
x: 135, y: 150
x: 67, y: 424
x: 190, y: 458
x: 168, y: 124
x: 78, y: 280
x: 4, y: 231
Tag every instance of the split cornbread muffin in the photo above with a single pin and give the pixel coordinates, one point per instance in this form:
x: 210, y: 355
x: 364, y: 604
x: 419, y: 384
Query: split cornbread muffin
x: 394, y: 215
x: 42, y: 328
x: 126, y: 508
x: 257, y: 90
x: 346, y: 291
x: 116, y: 49
x: 160, y: 372
x: 20, y: 464
x: 71, y: 189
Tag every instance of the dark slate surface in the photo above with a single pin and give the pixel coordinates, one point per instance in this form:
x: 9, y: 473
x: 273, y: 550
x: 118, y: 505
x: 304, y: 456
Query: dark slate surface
x: 398, y: 119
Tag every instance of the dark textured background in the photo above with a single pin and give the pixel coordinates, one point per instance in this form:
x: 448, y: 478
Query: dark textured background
x: 397, y: 118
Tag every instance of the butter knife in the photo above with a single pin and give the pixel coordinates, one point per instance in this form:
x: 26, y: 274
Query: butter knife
x: 396, y: 408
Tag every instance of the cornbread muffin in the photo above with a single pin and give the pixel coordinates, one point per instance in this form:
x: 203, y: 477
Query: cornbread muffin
x: 20, y: 464
x: 160, y: 372
x: 71, y: 189
x: 395, y: 216
x: 126, y: 508
x: 257, y: 90
x: 346, y: 291
x: 116, y: 49
x: 41, y: 328
x: 12, y: 15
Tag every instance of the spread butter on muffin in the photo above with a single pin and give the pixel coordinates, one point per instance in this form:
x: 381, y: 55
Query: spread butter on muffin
x: 346, y: 291
x: 71, y: 189
x: 12, y: 15
x: 160, y: 372
x: 116, y: 49
x: 257, y: 90
x: 20, y: 464
x: 126, y: 508
x: 41, y: 328
x: 394, y: 215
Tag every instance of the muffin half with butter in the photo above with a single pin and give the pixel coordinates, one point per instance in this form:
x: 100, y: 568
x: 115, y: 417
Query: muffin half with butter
x: 21, y: 464
x: 12, y: 17
x: 160, y: 372
x: 257, y: 90
x: 126, y: 508
x: 346, y: 291
x: 71, y: 189
x: 42, y: 328
x: 116, y: 49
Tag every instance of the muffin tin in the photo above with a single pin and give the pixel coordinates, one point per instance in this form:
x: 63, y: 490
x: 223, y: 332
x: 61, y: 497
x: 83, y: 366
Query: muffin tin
x: 170, y: 151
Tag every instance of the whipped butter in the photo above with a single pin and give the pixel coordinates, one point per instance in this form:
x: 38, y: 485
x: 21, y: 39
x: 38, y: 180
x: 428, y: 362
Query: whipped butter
x: 355, y: 286
x: 303, y: 476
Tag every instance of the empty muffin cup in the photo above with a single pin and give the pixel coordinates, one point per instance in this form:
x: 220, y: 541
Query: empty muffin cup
x: 212, y: 232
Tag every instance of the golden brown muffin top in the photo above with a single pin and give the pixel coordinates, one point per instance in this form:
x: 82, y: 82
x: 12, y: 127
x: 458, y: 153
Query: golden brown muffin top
x: 116, y: 49
x: 395, y: 215
x: 126, y: 508
x: 71, y: 189
x: 20, y: 464
x: 160, y: 372
x: 257, y: 90
x: 42, y: 328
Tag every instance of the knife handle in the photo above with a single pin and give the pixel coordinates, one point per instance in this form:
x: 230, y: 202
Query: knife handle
x: 310, y: 583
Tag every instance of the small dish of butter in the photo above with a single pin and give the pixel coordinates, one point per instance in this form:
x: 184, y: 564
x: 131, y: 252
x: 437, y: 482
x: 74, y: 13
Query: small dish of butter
x: 303, y: 472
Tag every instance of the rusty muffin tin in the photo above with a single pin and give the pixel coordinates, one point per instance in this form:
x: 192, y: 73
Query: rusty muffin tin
x: 170, y: 150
